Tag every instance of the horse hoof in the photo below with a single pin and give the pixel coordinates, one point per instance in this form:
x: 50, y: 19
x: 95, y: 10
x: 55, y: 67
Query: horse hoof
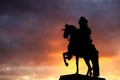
x: 90, y: 74
x: 66, y: 64
x: 76, y: 73
x: 86, y: 74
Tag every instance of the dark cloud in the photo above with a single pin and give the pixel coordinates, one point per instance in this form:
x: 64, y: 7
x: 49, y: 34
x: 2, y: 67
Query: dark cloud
x: 16, y: 6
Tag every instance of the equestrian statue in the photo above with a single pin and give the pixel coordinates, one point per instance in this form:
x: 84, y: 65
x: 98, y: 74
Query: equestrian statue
x: 81, y: 46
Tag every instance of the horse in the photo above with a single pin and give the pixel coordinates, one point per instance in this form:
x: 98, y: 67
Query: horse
x: 75, y: 49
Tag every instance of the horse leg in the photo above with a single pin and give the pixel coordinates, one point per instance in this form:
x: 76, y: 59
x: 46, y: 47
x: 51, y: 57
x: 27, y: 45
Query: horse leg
x: 77, y: 58
x: 89, y: 71
x: 64, y: 58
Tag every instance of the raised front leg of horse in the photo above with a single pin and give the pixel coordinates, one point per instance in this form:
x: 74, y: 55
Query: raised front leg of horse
x: 68, y: 56
x: 64, y: 58
x: 77, y: 63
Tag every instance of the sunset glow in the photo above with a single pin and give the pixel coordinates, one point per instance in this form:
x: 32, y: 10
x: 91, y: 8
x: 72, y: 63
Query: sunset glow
x: 32, y: 43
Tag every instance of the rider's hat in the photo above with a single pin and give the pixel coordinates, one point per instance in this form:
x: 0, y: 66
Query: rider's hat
x: 83, y: 20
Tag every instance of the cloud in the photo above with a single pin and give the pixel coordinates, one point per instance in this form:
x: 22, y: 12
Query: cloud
x: 15, y: 6
x: 30, y: 30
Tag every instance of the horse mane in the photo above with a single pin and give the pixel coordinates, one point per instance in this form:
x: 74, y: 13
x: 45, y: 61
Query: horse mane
x: 72, y: 27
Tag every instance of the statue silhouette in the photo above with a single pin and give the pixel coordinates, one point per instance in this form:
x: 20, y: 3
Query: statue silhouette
x: 80, y: 45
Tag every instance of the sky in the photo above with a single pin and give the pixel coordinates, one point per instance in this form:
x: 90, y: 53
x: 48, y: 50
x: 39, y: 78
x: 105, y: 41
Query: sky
x: 32, y: 43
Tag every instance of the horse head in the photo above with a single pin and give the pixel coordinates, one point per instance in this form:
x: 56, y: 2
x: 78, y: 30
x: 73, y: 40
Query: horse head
x: 69, y: 29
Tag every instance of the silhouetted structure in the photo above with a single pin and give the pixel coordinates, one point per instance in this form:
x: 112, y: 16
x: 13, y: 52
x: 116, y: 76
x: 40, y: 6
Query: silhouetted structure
x: 81, y: 46
x: 78, y: 77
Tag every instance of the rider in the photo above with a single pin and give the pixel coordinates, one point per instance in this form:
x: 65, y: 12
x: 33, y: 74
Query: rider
x: 86, y: 43
x: 84, y: 32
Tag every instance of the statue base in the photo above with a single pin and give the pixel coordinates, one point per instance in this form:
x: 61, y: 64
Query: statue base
x: 79, y: 77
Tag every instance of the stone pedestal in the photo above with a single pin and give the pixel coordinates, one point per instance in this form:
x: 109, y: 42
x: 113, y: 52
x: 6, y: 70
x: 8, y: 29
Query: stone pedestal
x: 79, y: 77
